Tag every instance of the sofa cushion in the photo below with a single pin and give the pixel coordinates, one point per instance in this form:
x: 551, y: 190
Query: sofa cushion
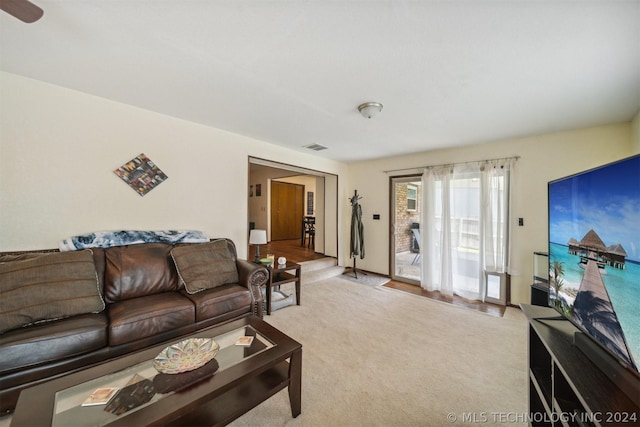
x: 53, y: 341
x: 139, y: 270
x: 205, y: 266
x: 47, y: 286
x: 219, y: 301
x: 139, y: 318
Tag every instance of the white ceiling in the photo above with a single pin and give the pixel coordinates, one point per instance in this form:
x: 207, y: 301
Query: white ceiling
x: 449, y: 73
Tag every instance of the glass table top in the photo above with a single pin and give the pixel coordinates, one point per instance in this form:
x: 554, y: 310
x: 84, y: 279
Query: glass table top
x: 137, y: 386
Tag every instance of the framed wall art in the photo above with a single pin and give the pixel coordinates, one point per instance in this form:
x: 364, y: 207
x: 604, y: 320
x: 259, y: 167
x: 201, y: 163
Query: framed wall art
x: 309, y: 202
x: 141, y: 174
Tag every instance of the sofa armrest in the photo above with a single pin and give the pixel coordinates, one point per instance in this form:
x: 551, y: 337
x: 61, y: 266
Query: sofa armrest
x: 253, y: 277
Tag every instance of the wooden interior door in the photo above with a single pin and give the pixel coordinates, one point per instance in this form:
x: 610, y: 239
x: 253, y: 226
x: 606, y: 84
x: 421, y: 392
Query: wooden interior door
x: 287, y: 210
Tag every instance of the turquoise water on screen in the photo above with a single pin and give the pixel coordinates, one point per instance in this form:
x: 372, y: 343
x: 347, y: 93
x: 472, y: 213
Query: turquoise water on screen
x: 623, y: 287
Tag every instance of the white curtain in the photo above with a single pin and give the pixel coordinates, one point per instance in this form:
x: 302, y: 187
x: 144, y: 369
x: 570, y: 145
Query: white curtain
x: 465, y: 217
x: 436, y: 237
x: 495, y: 215
x: 495, y: 181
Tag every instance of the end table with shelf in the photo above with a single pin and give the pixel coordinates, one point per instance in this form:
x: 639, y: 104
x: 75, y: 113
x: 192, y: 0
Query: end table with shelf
x: 279, y: 275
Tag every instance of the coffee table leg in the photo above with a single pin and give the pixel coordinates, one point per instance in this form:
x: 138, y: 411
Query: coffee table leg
x: 295, y: 383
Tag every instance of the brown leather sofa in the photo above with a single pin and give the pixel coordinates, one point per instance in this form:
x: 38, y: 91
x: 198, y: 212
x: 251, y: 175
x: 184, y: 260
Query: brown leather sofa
x: 146, y: 302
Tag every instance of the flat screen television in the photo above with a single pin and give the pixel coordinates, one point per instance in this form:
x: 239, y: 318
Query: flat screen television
x: 594, y: 255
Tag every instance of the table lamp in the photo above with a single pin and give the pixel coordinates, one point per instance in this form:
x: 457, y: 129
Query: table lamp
x: 257, y: 237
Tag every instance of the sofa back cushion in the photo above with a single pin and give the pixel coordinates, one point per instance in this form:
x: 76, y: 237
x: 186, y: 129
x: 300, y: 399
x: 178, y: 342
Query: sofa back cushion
x: 138, y: 270
x: 206, y: 265
x: 40, y: 287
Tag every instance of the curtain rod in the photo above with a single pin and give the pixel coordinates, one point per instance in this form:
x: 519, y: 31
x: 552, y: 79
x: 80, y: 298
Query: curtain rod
x: 452, y: 164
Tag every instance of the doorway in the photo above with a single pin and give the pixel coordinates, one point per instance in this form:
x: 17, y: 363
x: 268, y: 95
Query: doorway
x: 320, y: 200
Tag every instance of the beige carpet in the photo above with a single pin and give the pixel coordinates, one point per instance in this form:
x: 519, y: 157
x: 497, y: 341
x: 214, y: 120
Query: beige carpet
x: 374, y: 356
x: 365, y: 278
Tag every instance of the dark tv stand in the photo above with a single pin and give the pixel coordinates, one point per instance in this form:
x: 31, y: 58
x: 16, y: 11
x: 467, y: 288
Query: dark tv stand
x: 565, y: 386
x: 628, y: 383
x: 557, y: 317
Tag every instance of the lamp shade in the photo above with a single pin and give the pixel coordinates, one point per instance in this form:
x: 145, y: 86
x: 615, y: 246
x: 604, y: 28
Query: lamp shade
x: 258, y: 237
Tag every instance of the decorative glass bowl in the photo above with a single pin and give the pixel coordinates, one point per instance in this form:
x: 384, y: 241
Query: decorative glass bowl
x: 186, y: 355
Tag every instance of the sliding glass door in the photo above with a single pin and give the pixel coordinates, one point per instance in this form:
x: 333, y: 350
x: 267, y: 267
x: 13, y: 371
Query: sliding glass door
x: 466, y: 229
x: 449, y: 229
x: 406, y: 260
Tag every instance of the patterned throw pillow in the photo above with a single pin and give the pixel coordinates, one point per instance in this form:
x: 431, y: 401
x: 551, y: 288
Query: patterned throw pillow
x: 205, y: 266
x: 47, y: 286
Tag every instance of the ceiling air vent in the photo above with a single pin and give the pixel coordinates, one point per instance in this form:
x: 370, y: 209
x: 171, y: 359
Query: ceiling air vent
x: 315, y: 147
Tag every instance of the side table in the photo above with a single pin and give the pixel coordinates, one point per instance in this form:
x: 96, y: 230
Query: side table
x: 279, y: 275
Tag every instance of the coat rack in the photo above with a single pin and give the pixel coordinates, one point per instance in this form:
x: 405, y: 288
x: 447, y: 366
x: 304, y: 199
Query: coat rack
x: 357, y: 230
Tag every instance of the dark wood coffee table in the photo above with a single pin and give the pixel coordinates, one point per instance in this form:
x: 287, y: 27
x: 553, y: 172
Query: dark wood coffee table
x: 247, y: 376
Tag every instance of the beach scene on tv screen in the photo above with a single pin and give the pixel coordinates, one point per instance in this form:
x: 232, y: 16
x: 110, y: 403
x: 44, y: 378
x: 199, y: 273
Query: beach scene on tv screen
x: 594, y: 254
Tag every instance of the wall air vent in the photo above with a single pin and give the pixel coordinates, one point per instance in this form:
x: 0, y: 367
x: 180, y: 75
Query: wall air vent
x: 315, y: 147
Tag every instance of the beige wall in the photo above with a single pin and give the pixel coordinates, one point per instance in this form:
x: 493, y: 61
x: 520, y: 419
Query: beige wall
x: 542, y: 158
x: 635, y: 130
x: 58, y: 150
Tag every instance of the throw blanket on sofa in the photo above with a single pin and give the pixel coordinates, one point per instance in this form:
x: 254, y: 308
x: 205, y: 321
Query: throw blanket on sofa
x: 106, y: 239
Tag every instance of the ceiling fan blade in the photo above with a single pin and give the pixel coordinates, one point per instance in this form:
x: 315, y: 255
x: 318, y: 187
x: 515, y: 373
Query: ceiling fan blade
x: 24, y: 10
